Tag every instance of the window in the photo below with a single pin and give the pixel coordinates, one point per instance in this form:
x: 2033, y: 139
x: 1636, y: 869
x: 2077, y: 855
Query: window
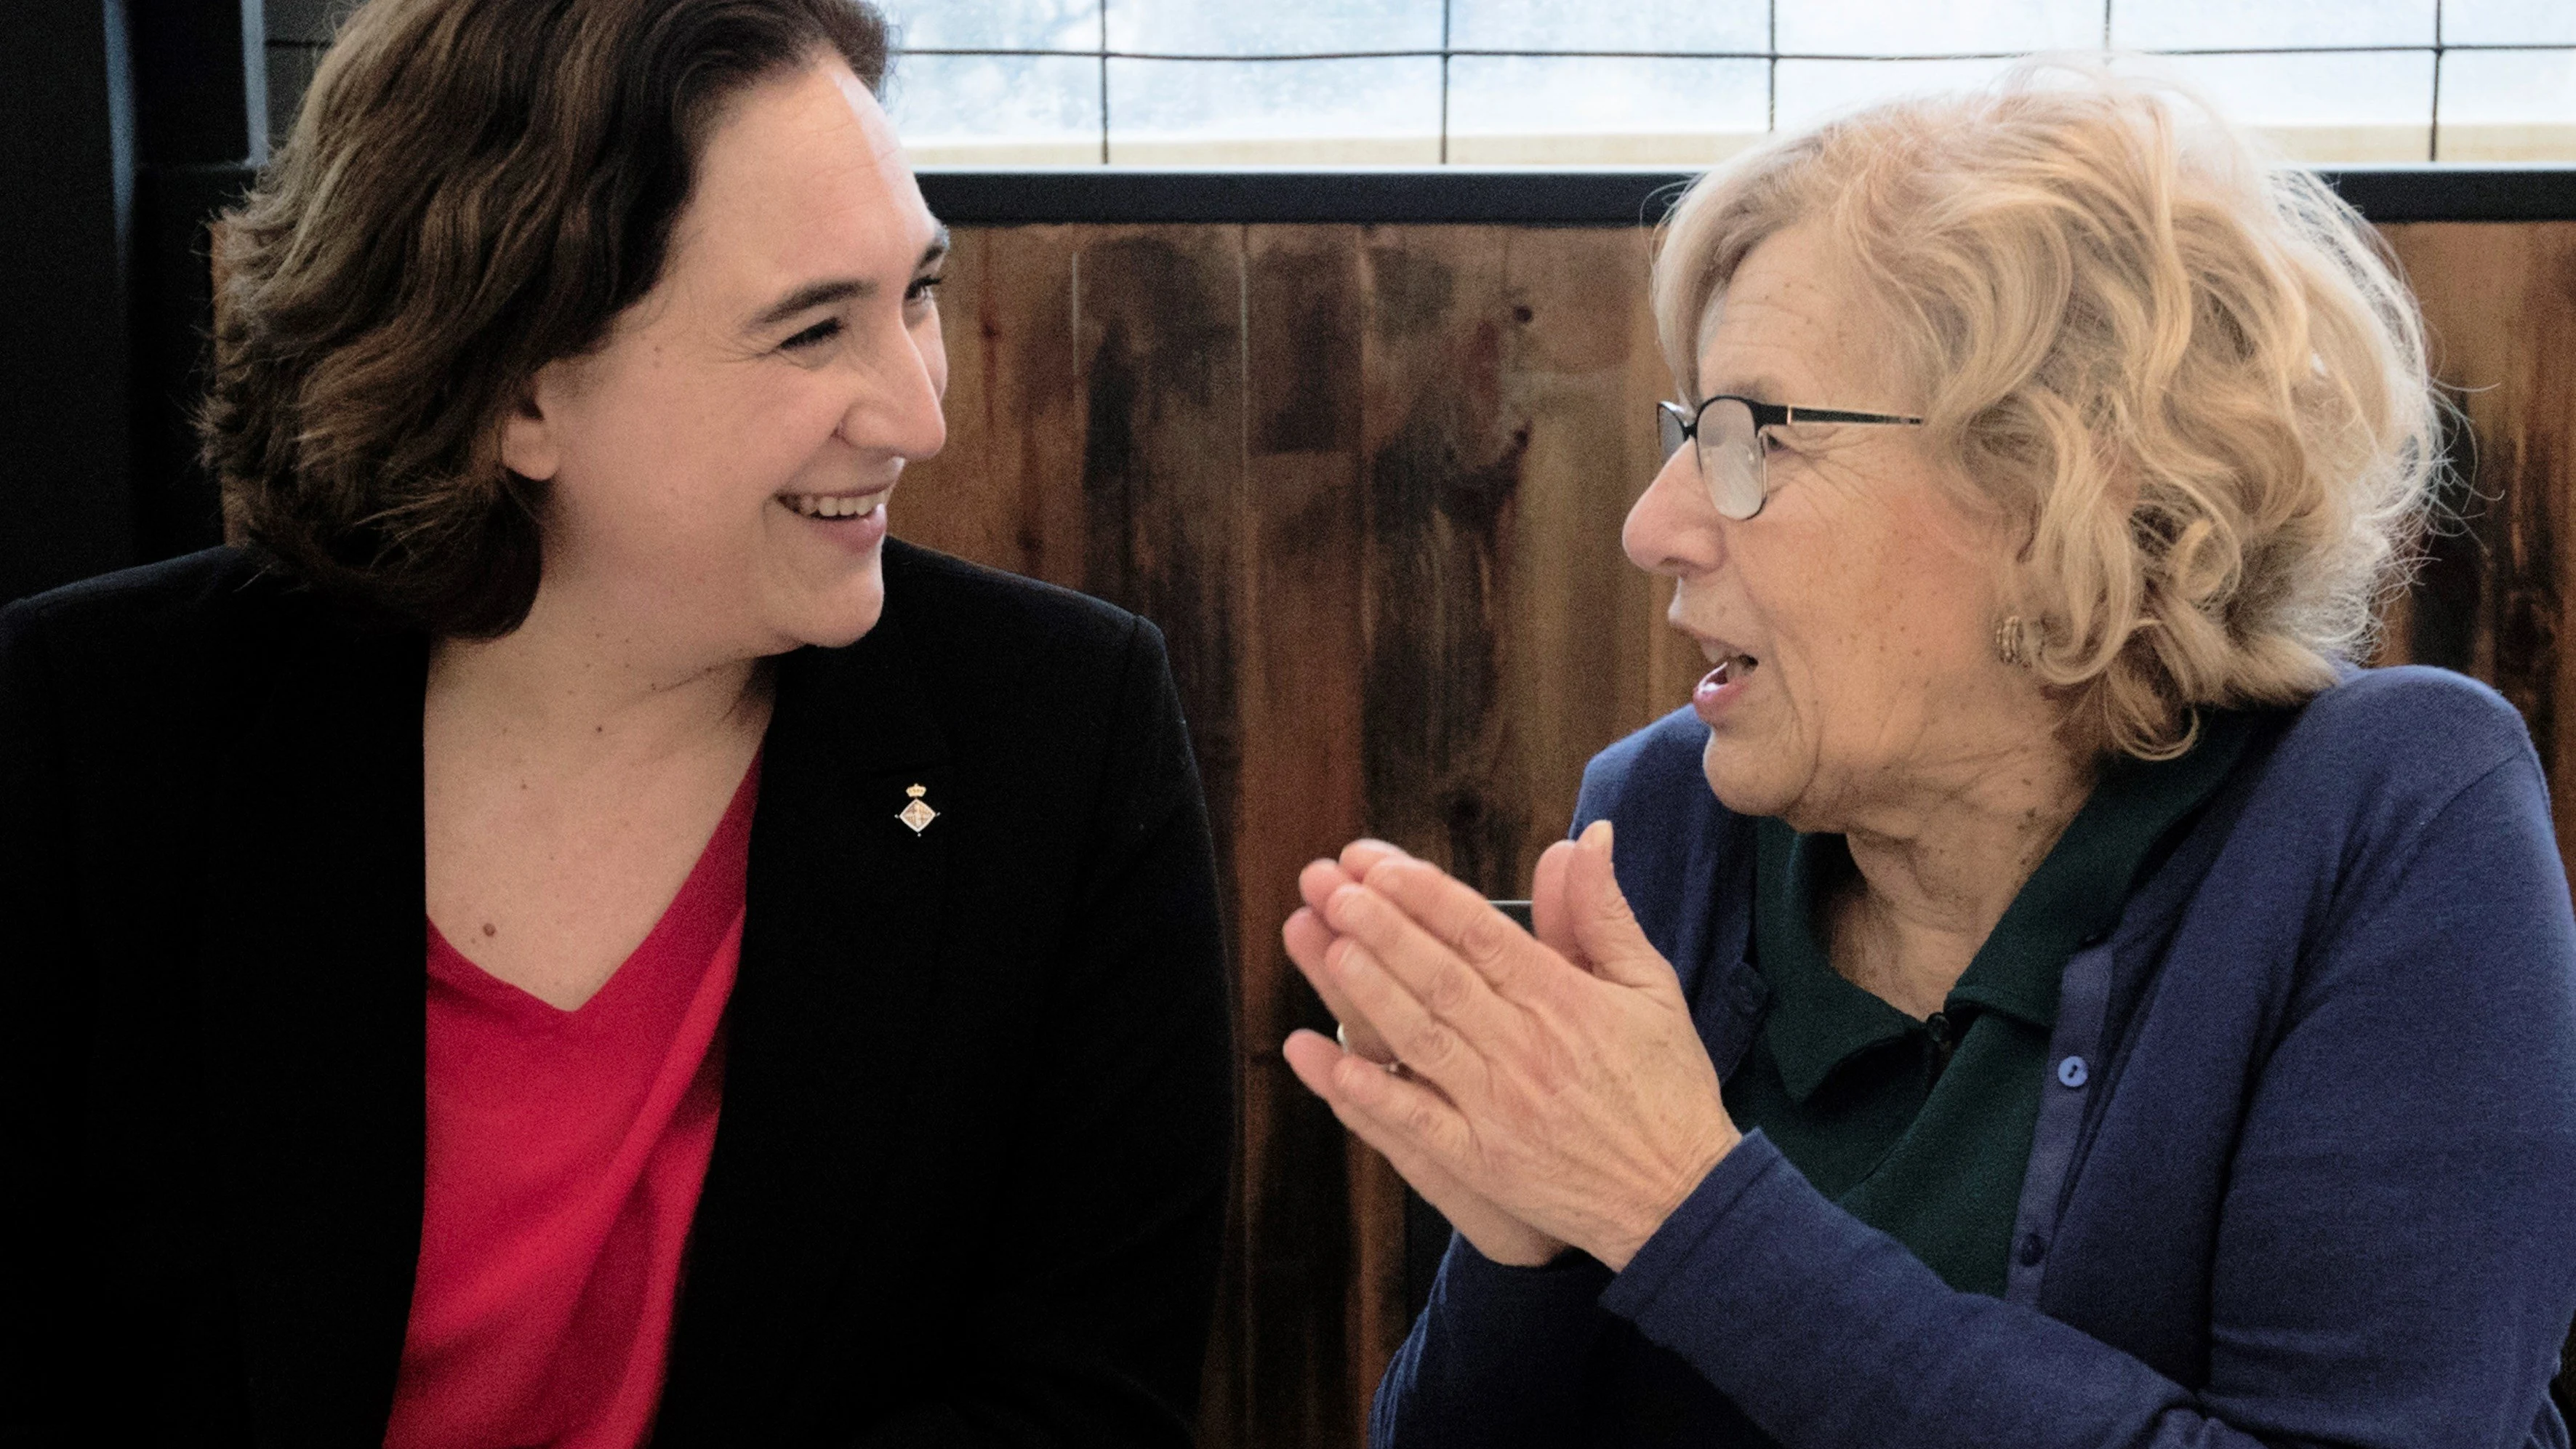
x: 1664, y: 82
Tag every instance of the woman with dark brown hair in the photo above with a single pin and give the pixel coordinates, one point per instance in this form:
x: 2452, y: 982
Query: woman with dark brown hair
x: 823, y: 1033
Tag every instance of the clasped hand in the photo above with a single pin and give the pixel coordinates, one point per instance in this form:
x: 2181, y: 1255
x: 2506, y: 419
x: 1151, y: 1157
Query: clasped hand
x: 1553, y: 1093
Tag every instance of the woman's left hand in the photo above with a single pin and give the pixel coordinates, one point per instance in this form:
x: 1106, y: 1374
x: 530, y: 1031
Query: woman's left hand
x: 1574, y: 1094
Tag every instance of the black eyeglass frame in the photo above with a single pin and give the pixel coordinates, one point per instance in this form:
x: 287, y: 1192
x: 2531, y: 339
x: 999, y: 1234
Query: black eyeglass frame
x: 1765, y: 416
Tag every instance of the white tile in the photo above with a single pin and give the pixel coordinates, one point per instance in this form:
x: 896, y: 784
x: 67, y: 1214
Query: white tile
x: 1740, y: 26
x: 2253, y: 24
x: 2373, y: 106
x: 1285, y: 112
x: 2509, y: 22
x: 1197, y: 27
x: 2509, y: 105
x: 1573, y: 110
x: 1811, y: 90
x: 996, y: 109
x: 1910, y: 27
x: 995, y: 24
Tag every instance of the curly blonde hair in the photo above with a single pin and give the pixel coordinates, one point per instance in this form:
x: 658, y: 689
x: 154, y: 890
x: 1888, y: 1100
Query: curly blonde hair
x: 2189, y: 378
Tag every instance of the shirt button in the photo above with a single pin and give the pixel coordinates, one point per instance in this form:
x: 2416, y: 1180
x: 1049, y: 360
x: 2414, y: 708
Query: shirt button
x: 2073, y: 1072
x: 2033, y: 1248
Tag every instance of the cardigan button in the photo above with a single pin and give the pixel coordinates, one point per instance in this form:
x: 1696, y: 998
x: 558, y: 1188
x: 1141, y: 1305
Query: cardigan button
x: 2073, y: 1072
x: 2033, y: 1248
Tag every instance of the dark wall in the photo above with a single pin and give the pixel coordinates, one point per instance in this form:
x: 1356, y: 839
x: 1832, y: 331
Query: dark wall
x: 298, y: 31
x: 66, y: 163
x: 127, y: 124
x: 201, y: 124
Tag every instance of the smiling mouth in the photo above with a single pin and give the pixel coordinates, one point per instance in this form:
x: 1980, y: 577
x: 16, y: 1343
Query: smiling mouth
x: 833, y: 505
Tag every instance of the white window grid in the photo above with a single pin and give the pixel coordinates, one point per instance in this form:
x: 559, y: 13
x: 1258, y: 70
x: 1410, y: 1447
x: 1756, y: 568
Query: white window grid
x: 2558, y: 144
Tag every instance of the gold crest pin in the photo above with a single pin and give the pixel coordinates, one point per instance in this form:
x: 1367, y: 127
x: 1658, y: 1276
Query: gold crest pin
x: 918, y: 814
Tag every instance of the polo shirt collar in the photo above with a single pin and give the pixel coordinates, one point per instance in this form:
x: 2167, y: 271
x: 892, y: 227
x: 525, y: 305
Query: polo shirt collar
x: 1818, y: 1020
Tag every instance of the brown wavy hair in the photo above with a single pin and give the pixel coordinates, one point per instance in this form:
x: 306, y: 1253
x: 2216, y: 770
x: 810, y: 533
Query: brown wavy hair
x: 473, y: 189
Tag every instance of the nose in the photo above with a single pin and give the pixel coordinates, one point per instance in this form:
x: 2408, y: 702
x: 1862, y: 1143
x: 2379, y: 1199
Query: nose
x: 1674, y: 530
x: 895, y: 398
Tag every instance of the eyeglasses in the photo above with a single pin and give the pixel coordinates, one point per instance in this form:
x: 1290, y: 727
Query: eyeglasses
x: 1729, y: 430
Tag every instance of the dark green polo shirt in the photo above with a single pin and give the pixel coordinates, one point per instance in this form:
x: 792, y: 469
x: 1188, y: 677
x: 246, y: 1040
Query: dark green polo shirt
x: 1923, y: 1129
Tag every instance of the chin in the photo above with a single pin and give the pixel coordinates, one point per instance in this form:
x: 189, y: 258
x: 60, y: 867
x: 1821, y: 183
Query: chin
x: 843, y: 634
x: 842, y: 617
x: 1737, y: 788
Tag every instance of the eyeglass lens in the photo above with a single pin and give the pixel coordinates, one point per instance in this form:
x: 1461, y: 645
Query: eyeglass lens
x: 1729, y: 455
x: 1669, y: 421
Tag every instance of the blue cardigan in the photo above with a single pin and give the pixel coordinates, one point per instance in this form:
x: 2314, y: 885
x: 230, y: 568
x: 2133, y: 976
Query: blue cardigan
x: 2311, y: 1178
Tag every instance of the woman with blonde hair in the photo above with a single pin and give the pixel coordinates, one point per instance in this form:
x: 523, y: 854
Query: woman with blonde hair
x: 2045, y: 994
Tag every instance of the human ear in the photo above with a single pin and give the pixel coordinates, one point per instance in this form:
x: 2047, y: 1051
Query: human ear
x: 530, y: 446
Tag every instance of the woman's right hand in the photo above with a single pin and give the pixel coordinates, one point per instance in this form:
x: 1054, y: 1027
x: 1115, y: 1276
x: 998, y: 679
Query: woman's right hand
x: 1495, y: 1233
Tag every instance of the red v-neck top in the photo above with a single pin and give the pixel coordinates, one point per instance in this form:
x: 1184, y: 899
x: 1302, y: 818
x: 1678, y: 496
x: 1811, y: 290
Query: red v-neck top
x: 566, y: 1150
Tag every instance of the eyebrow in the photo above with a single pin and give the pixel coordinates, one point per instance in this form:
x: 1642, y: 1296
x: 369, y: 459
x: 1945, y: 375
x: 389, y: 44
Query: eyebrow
x: 1764, y: 388
x: 840, y: 289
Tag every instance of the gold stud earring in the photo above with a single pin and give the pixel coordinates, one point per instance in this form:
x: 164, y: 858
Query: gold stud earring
x: 2012, y: 641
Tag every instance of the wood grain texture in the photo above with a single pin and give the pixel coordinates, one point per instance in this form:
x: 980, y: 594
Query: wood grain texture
x: 1369, y: 481
x: 1303, y: 301
x: 2500, y: 308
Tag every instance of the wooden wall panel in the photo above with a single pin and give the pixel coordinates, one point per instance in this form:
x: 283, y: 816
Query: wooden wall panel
x: 1007, y: 490
x: 1508, y: 387
x: 2500, y: 311
x: 1369, y: 481
x: 1301, y: 305
x: 1499, y: 453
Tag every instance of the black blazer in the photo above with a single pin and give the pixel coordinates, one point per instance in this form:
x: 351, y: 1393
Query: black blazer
x: 970, y: 1175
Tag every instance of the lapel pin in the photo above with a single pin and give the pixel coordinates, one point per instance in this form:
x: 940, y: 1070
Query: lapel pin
x: 918, y: 814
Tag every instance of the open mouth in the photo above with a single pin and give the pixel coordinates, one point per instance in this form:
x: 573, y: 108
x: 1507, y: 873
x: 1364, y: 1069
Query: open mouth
x: 1732, y: 669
